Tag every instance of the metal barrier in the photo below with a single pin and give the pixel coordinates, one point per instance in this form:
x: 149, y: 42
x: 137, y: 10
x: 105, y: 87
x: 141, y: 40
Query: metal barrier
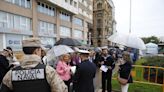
x: 148, y: 75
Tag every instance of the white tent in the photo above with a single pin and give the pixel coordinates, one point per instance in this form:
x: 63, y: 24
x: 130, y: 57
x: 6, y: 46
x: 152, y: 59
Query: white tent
x: 151, y: 48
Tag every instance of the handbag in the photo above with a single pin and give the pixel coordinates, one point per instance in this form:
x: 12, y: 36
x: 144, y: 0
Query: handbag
x: 123, y: 81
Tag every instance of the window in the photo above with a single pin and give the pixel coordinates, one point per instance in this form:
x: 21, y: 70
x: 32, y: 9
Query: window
x: 99, y: 32
x: 78, y: 34
x: 78, y: 21
x: 22, y: 3
x: 23, y: 23
x: 53, y: 12
x: 42, y: 26
x: 16, y: 2
x: 3, y: 19
x: 9, y: 0
x: 49, y: 10
x: 99, y: 6
x: 65, y: 16
x: 99, y: 15
x: 75, y: 4
x: 47, y: 41
x: 8, y: 20
x: 46, y: 9
x: 65, y: 31
x: 46, y: 28
x: 99, y: 22
x: 28, y: 3
x: 42, y: 8
x: 71, y: 2
x: 39, y: 7
x: 51, y: 28
x: 16, y: 22
x: 29, y: 24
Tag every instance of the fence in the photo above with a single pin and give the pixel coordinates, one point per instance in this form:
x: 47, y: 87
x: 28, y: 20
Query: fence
x: 148, y: 75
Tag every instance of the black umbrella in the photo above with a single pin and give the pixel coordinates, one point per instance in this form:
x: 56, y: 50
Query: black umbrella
x: 68, y: 41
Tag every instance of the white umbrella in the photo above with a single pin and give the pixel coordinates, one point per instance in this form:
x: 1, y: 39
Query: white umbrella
x: 54, y: 52
x: 127, y: 40
x: 62, y: 49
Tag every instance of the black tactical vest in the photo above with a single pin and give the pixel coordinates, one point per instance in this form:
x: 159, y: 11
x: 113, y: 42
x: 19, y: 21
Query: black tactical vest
x: 30, y: 80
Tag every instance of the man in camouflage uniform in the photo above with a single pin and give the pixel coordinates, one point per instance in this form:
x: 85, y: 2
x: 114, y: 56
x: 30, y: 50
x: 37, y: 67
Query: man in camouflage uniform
x: 25, y: 78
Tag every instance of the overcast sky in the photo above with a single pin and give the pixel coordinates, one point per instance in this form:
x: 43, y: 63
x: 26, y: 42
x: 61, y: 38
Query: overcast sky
x: 147, y: 17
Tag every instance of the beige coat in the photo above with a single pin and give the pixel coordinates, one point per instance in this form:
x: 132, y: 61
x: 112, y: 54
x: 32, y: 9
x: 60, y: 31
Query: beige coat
x: 29, y: 61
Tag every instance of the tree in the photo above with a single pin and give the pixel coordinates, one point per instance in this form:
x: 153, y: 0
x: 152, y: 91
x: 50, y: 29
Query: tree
x: 152, y: 39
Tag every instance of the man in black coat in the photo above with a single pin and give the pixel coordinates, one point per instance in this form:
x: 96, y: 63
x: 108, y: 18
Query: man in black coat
x: 107, y: 61
x: 85, y: 72
x: 4, y: 63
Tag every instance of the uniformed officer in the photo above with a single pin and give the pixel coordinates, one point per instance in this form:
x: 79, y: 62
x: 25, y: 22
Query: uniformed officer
x: 31, y: 75
x: 85, y: 73
x: 107, y: 61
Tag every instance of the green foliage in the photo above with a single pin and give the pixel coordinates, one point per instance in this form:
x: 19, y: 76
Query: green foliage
x: 152, y: 39
x: 154, y: 61
x: 140, y: 61
x: 157, y: 61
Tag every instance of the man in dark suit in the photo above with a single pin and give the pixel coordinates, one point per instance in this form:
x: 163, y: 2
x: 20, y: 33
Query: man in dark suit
x: 107, y: 61
x: 83, y: 78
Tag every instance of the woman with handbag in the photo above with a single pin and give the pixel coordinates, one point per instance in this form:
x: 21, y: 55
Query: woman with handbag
x: 125, y: 77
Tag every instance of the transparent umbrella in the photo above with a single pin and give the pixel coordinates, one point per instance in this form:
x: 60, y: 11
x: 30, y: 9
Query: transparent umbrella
x: 62, y: 49
x: 128, y: 40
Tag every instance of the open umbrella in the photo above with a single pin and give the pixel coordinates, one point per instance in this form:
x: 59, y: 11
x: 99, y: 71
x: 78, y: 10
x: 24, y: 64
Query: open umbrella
x: 68, y: 41
x: 127, y: 40
x: 62, y: 49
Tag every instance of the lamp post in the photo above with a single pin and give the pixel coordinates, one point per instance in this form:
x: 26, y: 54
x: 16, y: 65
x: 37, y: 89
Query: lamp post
x: 89, y: 39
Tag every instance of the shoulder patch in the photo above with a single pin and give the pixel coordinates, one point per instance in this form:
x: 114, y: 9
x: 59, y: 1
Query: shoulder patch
x: 32, y: 74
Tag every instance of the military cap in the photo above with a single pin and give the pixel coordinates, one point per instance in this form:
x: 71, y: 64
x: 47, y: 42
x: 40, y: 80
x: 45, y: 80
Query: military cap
x: 31, y: 42
x: 83, y: 51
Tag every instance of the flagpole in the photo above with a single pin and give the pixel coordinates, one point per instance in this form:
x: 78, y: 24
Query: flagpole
x: 130, y: 16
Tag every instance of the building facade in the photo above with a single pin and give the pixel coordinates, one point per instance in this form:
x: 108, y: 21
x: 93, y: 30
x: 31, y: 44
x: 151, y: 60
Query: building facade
x: 103, y: 22
x: 49, y: 20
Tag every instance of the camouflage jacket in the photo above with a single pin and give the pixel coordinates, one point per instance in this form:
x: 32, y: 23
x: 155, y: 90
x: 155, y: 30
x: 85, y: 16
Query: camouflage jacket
x: 30, y: 61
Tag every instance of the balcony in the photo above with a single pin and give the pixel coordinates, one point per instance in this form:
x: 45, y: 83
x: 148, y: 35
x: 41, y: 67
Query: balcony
x: 66, y: 5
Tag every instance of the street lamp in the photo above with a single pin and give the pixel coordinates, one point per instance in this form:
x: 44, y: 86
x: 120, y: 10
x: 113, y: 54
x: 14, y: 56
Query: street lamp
x: 89, y: 39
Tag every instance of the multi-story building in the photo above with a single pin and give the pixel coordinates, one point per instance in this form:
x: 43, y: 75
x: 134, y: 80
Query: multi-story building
x: 103, y: 22
x: 49, y: 20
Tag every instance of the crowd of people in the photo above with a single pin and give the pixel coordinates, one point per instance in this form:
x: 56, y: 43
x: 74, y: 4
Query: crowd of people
x: 35, y: 73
